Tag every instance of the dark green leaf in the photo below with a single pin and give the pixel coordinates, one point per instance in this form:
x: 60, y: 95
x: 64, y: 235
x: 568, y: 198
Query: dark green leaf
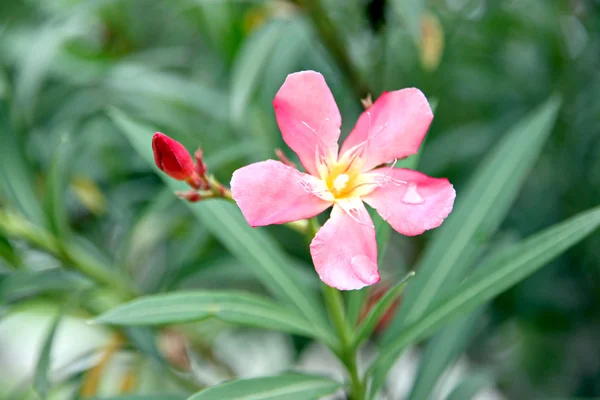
x: 495, y: 275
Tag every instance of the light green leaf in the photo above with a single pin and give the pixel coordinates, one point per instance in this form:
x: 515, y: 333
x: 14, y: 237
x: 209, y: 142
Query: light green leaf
x: 253, y: 247
x: 470, y: 386
x: 249, y: 65
x: 441, y: 351
x: 143, y: 397
x: 379, y: 309
x: 16, y: 180
x: 135, y: 80
x: 409, y: 12
x: 283, y: 387
x: 232, y: 307
x: 496, y: 274
x: 478, y: 212
x: 24, y: 283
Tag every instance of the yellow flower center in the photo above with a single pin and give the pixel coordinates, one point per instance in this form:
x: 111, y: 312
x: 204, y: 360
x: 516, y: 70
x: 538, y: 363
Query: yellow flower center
x: 343, y: 178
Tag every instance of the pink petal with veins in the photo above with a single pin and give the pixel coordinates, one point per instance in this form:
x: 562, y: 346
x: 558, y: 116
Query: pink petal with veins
x: 308, y: 117
x: 393, y: 127
x: 411, y: 202
x: 270, y: 192
x: 344, y: 250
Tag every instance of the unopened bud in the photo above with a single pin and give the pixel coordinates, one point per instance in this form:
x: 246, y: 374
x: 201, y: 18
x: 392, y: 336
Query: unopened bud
x: 174, y: 160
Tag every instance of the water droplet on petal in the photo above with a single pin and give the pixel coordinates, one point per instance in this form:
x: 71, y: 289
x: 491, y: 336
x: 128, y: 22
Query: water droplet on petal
x: 365, y: 269
x: 411, y: 196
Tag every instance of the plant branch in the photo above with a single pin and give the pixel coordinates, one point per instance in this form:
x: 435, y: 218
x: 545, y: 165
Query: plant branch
x: 333, y: 40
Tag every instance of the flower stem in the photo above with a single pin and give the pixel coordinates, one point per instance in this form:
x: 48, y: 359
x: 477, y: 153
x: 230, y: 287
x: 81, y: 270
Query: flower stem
x: 332, y: 39
x: 347, y: 354
x: 335, y: 308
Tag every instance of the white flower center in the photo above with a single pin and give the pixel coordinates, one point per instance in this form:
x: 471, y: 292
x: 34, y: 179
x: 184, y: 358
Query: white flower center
x: 340, y: 182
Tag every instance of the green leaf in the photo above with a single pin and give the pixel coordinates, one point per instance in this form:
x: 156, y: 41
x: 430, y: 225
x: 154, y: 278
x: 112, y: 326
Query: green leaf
x: 58, y: 178
x: 379, y: 309
x: 282, y: 387
x: 136, y: 80
x: 24, y: 283
x: 496, y: 274
x: 41, y: 385
x: 441, y: 352
x: 470, y: 386
x: 478, y: 212
x: 16, y: 180
x: 249, y: 65
x: 409, y: 12
x: 253, y: 247
x: 143, y: 397
x: 231, y: 307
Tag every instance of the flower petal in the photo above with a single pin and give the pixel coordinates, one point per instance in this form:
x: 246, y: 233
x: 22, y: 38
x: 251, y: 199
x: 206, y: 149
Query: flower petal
x: 393, y: 127
x: 411, y: 202
x: 270, y: 192
x: 308, y: 118
x: 344, y: 250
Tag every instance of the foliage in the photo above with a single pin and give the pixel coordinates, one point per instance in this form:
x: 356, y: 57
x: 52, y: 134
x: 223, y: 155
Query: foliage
x: 90, y: 230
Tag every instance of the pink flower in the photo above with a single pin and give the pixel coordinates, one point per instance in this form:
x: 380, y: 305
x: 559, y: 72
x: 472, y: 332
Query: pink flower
x: 344, y: 250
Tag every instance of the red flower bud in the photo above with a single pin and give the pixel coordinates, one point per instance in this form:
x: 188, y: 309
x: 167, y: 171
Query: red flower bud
x: 174, y: 160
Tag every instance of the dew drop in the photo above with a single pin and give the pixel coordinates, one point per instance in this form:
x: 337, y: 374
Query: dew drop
x: 411, y: 196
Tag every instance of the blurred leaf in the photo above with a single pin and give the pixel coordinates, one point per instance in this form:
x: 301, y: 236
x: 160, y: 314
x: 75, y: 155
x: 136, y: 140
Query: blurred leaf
x: 131, y: 79
x: 24, y: 283
x: 41, y: 383
x: 478, y: 212
x: 253, y: 247
x: 142, y: 397
x: 496, y: 274
x: 470, y: 386
x: 249, y: 65
x: 441, y: 352
x: 16, y: 181
x: 282, y: 387
x: 409, y: 12
x: 379, y: 309
x: 56, y: 185
x: 8, y: 252
x: 232, y: 307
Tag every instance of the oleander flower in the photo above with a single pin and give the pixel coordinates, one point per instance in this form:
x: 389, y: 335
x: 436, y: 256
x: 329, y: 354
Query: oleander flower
x: 344, y: 250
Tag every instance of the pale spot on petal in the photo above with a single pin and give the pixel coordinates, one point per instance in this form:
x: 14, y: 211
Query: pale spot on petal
x: 411, y: 196
x: 365, y: 269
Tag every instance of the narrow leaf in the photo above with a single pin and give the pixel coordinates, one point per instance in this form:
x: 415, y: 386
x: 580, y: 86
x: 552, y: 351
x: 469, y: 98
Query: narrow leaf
x: 283, y: 387
x: 479, y: 211
x: 498, y: 273
x: 253, y: 247
x: 231, y: 307
x: 379, y: 309
x: 143, y: 397
x: 249, y: 65
x: 470, y: 386
x: 441, y: 351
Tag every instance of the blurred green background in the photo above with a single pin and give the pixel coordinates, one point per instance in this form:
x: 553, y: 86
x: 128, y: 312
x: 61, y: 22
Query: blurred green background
x: 205, y: 72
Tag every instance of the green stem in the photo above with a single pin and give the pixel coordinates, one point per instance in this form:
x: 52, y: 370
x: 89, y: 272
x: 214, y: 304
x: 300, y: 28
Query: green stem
x: 332, y: 39
x: 73, y: 256
x: 335, y: 308
x: 347, y: 354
